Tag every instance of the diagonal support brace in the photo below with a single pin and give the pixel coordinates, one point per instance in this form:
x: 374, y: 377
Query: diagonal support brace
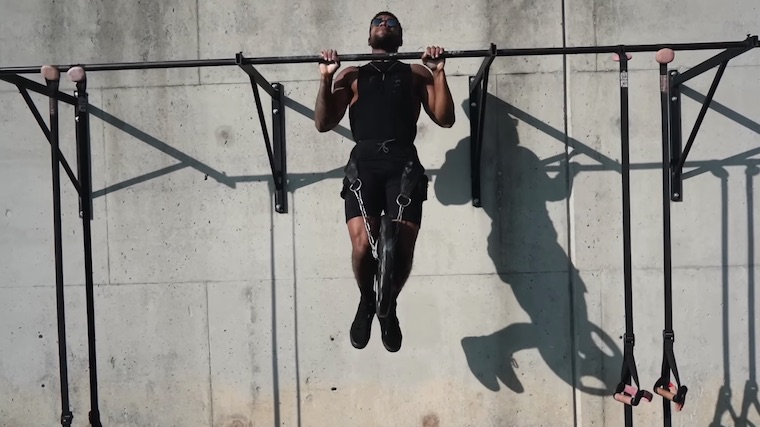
x: 24, y: 85
x: 46, y: 131
x: 276, y: 147
x: 676, y: 80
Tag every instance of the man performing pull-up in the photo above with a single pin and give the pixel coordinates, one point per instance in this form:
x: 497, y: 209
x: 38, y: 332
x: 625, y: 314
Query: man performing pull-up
x: 384, y: 100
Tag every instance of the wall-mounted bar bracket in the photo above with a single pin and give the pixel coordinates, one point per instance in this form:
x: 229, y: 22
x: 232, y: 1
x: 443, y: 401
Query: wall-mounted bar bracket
x: 478, y: 97
x: 276, y: 147
x: 676, y: 79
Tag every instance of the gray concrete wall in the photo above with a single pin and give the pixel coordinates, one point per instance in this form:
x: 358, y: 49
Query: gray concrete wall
x: 214, y: 310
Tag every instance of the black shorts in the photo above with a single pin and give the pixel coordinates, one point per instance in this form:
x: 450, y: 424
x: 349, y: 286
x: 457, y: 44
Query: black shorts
x: 380, y: 177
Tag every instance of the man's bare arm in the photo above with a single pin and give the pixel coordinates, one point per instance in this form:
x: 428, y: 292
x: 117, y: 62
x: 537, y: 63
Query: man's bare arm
x: 436, y: 96
x: 332, y: 103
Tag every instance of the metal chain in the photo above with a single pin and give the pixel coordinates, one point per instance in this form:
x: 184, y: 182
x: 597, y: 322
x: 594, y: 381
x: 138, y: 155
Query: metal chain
x: 401, y: 206
x: 358, y: 195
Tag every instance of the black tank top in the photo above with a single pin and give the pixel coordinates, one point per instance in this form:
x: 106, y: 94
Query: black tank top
x: 385, y: 108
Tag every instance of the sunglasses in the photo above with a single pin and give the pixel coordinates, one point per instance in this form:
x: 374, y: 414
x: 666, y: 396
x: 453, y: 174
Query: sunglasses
x: 391, y: 22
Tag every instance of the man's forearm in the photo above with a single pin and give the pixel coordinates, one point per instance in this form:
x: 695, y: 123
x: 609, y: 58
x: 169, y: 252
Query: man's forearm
x: 324, y: 108
x: 444, y: 103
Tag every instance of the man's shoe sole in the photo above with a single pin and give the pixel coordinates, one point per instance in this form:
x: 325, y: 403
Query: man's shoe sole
x: 357, y: 345
x: 392, y: 350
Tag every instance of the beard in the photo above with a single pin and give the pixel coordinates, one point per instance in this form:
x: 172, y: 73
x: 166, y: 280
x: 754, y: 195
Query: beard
x: 388, y: 42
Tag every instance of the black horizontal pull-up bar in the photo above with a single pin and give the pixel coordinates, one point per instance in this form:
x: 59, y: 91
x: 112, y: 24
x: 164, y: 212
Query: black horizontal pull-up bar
x: 750, y: 41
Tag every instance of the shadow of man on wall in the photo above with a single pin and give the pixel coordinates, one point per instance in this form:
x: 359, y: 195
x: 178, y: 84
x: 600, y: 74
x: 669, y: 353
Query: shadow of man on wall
x: 524, y: 247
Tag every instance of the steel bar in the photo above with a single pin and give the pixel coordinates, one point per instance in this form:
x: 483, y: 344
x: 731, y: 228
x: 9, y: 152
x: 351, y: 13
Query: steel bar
x: 750, y: 41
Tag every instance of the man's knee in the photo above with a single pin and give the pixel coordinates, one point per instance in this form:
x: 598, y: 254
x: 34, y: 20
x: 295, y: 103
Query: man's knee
x: 360, y: 247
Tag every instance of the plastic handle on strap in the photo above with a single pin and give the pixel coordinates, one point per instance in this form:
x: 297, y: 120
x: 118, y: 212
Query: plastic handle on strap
x: 630, y: 395
x: 673, y: 393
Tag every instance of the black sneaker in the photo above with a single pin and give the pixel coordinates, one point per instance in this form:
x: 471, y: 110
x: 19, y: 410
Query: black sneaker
x: 391, y: 331
x: 362, y: 326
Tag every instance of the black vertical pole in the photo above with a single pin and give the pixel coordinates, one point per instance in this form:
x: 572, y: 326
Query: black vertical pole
x: 81, y: 117
x: 674, y: 111
x: 475, y: 94
x: 279, y: 152
x: 627, y: 273
x: 480, y: 123
x: 52, y: 78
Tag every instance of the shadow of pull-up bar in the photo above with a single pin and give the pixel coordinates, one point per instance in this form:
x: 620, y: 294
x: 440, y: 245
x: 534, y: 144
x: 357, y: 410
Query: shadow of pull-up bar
x: 580, y: 148
x: 733, y: 115
x: 140, y: 179
x: 608, y: 164
x: 185, y: 160
x: 309, y: 113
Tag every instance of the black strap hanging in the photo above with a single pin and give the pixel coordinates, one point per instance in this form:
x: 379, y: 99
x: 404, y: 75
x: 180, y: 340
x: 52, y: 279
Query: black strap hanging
x: 670, y: 392
x: 52, y: 79
x: 626, y: 392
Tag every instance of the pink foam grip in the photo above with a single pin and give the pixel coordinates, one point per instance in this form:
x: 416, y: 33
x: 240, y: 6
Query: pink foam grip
x: 76, y: 74
x: 668, y: 394
x: 631, y: 390
x: 50, y: 72
x: 665, y: 56
x: 616, y: 57
x: 620, y: 397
